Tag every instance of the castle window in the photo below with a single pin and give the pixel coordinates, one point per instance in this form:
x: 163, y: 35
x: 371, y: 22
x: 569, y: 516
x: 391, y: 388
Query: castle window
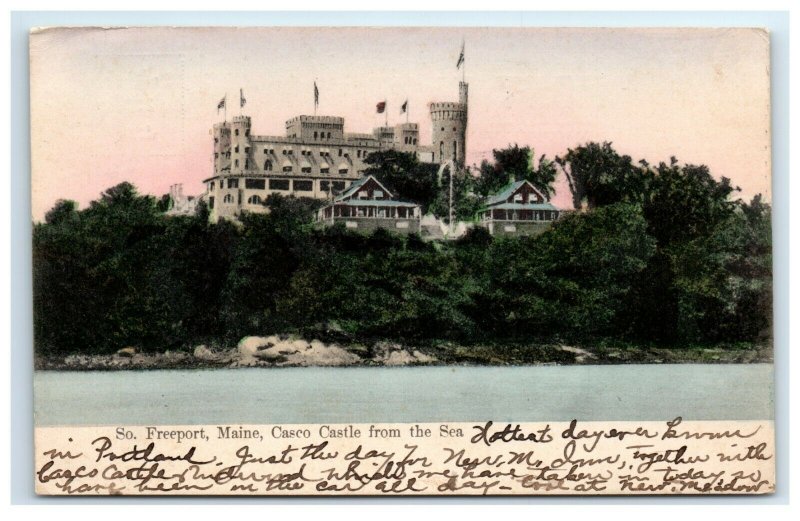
x: 287, y: 168
x: 216, y: 140
x: 289, y: 152
x: 358, y: 154
x: 303, y: 186
x: 442, y: 129
x: 236, y: 132
x: 228, y: 199
x: 315, y: 134
x: 441, y: 150
x: 455, y: 151
x: 247, y: 132
x: 216, y: 155
x: 247, y: 164
x: 268, y: 165
x: 236, y: 163
x: 415, y: 141
x: 266, y: 151
x: 306, y: 169
x: 284, y: 151
x: 454, y: 129
x: 343, y: 171
x: 324, y: 186
x: 254, y: 184
x: 247, y: 149
x: 340, y: 152
x: 329, y: 135
x: 211, y: 202
x: 236, y: 149
x: 278, y: 184
x: 211, y: 185
x: 254, y: 199
x: 324, y: 170
x: 233, y: 183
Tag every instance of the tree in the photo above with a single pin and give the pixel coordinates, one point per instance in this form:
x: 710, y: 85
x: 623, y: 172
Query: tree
x: 597, y: 175
x: 465, y: 202
x: 63, y: 211
x: 405, y: 176
x: 516, y: 163
x: 573, y: 280
x: 684, y: 202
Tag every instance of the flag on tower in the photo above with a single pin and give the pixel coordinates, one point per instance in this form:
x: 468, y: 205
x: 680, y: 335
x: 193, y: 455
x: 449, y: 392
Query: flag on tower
x: 316, y: 95
x: 404, y: 107
x: 380, y: 107
x: 460, y: 56
x: 221, y: 104
x: 242, y: 101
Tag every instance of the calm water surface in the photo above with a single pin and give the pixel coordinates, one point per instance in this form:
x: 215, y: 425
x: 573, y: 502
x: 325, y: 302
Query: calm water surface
x: 404, y: 394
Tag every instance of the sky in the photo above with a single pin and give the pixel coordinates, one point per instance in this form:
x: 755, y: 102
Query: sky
x: 138, y: 104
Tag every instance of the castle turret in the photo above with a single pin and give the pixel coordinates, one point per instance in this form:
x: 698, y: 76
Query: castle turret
x: 240, y: 145
x: 449, y: 128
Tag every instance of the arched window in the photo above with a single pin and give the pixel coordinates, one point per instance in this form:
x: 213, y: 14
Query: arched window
x: 455, y: 150
x: 254, y: 199
x: 315, y: 134
x: 228, y: 199
x: 441, y: 150
x: 268, y: 165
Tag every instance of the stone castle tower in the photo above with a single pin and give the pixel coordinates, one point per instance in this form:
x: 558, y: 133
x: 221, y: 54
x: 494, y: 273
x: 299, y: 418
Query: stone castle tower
x: 449, y: 128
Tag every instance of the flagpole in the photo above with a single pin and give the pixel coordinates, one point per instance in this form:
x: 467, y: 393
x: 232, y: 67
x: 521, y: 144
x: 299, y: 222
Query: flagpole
x: 464, y: 65
x: 225, y: 108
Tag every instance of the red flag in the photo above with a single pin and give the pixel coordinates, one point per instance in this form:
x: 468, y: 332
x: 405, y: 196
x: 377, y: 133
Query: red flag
x: 381, y: 107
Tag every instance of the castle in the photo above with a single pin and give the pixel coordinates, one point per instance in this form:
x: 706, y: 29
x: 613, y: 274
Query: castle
x: 317, y: 158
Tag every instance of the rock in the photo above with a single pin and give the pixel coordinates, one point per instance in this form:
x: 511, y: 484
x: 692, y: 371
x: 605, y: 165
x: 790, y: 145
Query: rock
x: 398, y: 358
x: 300, y: 345
x: 269, y: 356
x: 578, y: 351
x: 202, y: 352
x: 422, y: 358
x: 250, y: 344
x: 127, y: 352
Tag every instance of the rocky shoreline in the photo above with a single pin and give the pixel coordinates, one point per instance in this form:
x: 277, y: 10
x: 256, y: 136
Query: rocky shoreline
x: 292, y: 351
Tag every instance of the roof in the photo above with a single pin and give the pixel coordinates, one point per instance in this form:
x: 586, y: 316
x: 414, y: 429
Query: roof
x: 356, y: 185
x: 375, y: 202
x: 520, y: 206
x: 507, y: 191
x: 352, y: 188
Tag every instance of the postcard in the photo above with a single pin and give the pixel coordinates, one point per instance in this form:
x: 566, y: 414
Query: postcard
x: 335, y: 261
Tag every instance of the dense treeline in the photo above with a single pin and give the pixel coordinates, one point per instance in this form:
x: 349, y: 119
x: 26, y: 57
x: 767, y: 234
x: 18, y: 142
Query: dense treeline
x: 656, y: 254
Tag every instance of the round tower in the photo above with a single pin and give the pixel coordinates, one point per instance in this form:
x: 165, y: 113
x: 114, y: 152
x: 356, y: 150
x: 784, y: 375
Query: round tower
x: 449, y: 128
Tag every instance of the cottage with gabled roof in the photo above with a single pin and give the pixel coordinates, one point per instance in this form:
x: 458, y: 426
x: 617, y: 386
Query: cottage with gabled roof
x: 519, y: 208
x: 367, y: 205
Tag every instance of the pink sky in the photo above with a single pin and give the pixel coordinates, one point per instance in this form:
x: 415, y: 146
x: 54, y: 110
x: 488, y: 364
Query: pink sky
x: 138, y: 104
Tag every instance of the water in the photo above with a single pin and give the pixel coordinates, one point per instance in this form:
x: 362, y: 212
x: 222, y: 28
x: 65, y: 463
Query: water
x: 405, y: 394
